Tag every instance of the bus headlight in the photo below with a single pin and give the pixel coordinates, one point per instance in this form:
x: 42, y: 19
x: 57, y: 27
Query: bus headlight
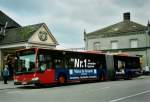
x: 35, y: 79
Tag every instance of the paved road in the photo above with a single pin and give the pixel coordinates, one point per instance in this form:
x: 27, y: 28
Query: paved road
x: 137, y: 90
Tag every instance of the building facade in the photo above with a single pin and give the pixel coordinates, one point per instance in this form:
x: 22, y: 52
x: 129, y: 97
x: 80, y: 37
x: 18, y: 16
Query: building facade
x: 124, y: 37
x: 14, y: 37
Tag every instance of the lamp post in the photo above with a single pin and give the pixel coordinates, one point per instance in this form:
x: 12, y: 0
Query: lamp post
x: 146, y: 48
x: 147, y: 42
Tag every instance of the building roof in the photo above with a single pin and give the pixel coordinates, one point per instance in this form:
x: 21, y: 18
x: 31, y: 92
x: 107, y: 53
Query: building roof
x: 20, y: 34
x: 122, y: 27
x: 10, y: 22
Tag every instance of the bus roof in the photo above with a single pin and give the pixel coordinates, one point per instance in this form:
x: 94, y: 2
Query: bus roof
x: 84, y: 52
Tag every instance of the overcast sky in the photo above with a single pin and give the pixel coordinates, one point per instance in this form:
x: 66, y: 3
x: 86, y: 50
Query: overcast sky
x: 67, y: 19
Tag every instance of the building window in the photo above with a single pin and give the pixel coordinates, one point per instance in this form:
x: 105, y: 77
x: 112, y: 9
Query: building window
x: 96, y: 45
x: 114, y: 44
x: 133, y: 43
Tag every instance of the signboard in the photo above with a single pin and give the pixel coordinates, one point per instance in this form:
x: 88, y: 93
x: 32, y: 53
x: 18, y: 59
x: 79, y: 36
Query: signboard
x: 82, y: 73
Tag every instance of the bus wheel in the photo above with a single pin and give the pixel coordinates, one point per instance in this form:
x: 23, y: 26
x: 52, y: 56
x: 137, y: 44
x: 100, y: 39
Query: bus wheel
x: 62, y: 80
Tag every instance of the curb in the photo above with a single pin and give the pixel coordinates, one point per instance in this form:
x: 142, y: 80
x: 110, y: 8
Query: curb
x: 7, y: 88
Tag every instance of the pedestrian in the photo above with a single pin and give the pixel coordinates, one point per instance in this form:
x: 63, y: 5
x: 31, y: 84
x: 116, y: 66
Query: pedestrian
x: 5, y: 74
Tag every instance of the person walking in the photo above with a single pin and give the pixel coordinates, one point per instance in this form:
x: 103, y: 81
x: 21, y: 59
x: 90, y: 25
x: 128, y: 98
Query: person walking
x: 5, y: 74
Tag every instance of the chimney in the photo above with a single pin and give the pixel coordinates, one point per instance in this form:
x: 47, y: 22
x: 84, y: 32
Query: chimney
x: 126, y: 16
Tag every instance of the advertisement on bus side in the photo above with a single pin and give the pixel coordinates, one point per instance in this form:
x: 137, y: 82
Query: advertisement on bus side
x: 82, y: 73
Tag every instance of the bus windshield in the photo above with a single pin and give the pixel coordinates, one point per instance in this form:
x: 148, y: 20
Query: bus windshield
x: 25, y: 61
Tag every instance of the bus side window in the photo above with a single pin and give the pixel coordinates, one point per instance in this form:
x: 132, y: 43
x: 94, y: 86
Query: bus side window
x: 58, y: 63
x: 116, y: 65
x: 50, y: 64
x: 121, y: 66
x: 41, y: 58
x: 98, y: 65
x: 70, y: 63
x: 42, y: 66
x: 49, y: 61
x: 66, y: 63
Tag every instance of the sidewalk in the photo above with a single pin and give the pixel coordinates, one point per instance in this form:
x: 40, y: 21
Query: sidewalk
x: 10, y: 85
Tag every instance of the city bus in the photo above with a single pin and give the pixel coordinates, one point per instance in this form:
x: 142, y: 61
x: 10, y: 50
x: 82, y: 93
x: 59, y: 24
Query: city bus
x: 47, y: 66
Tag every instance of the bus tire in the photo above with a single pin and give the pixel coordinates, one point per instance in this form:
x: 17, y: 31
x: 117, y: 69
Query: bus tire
x: 62, y: 79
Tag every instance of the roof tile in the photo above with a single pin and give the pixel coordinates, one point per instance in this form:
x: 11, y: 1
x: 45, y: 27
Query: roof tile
x: 121, y: 27
x: 20, y: 34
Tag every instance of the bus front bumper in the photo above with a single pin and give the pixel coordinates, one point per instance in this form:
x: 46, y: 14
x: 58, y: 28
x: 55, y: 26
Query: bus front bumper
x: 17, y: 82
x: 26, y: 83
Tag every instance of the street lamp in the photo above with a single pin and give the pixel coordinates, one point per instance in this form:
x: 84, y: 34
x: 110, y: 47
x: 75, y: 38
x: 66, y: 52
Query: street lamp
x: 147, y: 42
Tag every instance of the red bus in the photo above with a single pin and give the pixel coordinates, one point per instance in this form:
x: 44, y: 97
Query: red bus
x: 46, y: 66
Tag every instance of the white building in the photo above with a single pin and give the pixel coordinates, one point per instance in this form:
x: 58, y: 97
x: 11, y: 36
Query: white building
x: 126, y: 36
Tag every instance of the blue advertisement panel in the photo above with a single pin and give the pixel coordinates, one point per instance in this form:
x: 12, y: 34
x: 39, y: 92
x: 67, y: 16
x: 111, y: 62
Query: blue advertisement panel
x: 82, y: 73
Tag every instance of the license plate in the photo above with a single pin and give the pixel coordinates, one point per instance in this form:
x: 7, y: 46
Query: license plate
x: 24, y: 83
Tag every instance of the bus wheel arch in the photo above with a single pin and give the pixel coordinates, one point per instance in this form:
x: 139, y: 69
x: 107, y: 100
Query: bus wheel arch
x: 62, y: 79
